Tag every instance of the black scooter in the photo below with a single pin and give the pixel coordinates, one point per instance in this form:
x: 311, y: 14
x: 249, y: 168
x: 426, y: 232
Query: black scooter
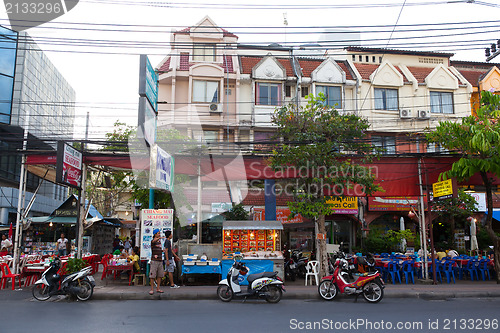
x: 81, y: 284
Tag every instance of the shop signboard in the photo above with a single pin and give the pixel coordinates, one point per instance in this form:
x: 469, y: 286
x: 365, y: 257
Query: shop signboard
x: 221, y: 207
x: 443, y: 190
x: 161, y: 169
x: 343, y: 205
x: 68, y: 165
x: 480, y: 201
x: 152, y: 219
x: 282, y: 215
x: 392, y: 204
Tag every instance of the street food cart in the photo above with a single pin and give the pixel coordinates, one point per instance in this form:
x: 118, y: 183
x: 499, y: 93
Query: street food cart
x: 258, y: 242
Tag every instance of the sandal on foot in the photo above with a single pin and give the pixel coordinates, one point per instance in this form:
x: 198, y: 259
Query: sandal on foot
x: 151, y: 292
x: 160, y: 291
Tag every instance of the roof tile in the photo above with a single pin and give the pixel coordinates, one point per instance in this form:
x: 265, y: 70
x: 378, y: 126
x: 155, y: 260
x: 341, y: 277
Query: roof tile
x: 166, y: 66
x: 184, y: 62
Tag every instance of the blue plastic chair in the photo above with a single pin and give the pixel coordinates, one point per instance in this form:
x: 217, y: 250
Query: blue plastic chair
x: 409, y: 271
x: 483, y: 269
x: 438, y: 271
x: 471, y: 269
x: 393, y: 271
x: 448, y: 271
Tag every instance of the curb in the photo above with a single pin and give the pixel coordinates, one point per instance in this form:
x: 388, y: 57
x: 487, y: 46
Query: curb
x: 288, y: 295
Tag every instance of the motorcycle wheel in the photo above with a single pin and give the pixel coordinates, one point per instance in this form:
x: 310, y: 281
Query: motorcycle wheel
x: 328, y: 290
x: 225, y: 293
x: 86, y: 291
x: 41, y: 292
x: 373, y: 292
x: 274, y: 294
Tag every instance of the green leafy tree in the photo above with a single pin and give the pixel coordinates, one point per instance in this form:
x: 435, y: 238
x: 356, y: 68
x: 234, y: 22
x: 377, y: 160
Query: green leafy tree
x: 237, y: 213
x: 332, y: 148
x: 476, y: 139
x: 453, y: 209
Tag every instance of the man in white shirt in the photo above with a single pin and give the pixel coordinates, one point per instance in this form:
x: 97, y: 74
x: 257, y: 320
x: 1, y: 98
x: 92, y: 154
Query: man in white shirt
x: 452, y: 253
x: 6, y: 246
x: 61, y: 245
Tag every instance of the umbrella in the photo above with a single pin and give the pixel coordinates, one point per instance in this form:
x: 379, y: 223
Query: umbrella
x: 402, y: 228
x: 10, y: 232
x: 473, y: 238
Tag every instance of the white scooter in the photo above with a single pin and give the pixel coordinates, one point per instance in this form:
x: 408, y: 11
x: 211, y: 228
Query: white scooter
x: 267, y: 285
x: 81, y: 284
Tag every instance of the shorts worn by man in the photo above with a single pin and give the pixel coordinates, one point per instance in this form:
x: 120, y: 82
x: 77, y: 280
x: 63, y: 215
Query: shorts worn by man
x: 156, y: 271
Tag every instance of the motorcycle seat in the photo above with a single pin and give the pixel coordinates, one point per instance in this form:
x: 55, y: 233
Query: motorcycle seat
x: 252, y: 277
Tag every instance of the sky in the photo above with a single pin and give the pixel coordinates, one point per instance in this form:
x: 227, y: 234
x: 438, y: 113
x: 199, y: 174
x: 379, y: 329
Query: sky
x: 105, y: 77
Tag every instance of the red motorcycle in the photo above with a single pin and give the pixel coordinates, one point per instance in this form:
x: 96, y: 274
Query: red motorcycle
x: 370, y: 285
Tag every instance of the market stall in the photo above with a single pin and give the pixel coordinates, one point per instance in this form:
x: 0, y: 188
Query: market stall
x: 259, y: 243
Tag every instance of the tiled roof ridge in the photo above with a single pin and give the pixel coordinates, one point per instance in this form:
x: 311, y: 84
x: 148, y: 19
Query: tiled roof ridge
x: 188, y: 30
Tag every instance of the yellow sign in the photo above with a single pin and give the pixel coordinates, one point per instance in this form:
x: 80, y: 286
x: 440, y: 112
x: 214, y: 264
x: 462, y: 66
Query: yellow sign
x: 443, y: 189
x: 344, y: 205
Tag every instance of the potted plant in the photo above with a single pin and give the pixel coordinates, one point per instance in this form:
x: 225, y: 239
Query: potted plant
x: 75, y: 265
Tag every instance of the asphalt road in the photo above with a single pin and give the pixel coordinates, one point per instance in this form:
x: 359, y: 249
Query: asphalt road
x: 20, y: 314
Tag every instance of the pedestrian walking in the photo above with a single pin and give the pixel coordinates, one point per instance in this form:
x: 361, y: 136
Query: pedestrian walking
x: 171, y: 257
x: 62, y: 244
x: 156, y: 271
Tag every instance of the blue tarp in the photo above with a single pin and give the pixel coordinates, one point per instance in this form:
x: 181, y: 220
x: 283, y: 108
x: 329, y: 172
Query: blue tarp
x: 206, y: 269
x: 254, y: 266
x: 496, y: 215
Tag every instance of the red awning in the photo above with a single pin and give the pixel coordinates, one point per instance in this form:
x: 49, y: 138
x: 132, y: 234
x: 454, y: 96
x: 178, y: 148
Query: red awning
x: 397, y: 175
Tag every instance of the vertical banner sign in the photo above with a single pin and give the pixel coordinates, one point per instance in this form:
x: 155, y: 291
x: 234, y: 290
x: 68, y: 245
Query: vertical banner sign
x: 148, y: 101
x: 68, y: 165
x: 148, y: 81
x: 146, y: 128
x: 152, y: 219
x: 161, y: 169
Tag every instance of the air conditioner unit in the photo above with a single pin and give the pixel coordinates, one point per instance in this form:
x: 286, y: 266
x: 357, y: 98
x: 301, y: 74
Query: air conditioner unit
x: 405, y: 114
x: 215, y: 108
x: 424, y: 114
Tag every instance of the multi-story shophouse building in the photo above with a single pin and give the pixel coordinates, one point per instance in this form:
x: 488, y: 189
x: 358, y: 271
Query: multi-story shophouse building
x: 401, y: 93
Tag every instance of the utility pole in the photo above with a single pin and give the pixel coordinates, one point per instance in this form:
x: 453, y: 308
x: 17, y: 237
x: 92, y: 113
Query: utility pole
x: 20, y: 198
x: 81, y: 207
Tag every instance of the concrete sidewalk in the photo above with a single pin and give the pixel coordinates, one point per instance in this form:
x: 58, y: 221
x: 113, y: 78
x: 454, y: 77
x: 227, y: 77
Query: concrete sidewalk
x: 119, y: 290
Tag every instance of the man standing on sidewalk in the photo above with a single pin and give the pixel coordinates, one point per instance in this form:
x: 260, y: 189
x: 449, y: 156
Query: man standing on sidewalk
x: 171, y: 257
x: 156, y: 267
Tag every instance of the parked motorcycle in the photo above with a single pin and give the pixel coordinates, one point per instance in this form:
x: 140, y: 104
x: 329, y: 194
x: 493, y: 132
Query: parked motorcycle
x: 365, y: 264
x: 81, y: 284
x: 291, y: 270
x: 267, y: 285
x: 370, y: 285
x: 301, y: 263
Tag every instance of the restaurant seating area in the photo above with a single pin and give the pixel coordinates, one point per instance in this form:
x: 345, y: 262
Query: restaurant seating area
x: 396, y: 268
x: 31, y: 268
